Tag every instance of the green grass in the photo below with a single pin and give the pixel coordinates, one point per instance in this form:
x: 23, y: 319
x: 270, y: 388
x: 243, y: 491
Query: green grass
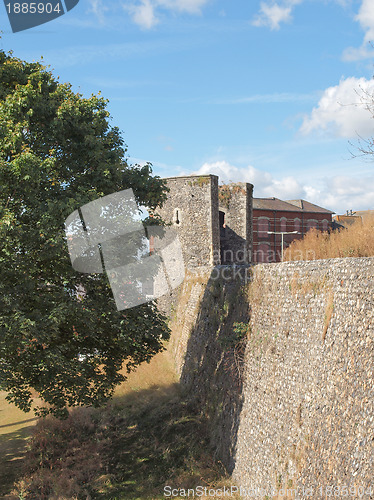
x: 155, y: 440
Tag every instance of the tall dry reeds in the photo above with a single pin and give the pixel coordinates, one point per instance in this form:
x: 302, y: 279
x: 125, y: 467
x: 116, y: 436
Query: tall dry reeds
x: 355, y: 241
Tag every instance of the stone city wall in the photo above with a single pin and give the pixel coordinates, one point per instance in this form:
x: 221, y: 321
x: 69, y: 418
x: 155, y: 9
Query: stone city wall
x: 297, y: 409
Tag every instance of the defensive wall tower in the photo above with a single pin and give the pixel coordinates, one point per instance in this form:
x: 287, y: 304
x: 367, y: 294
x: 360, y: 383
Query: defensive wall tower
x: 235, y: 215
x: 214, y: 223
x: 192, y: 208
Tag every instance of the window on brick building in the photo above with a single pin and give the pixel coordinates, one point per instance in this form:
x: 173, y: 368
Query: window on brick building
x: 263, y: 227
x: 312, y: 223
x: 325, y: 225
x: 283, y: 224
x: 297, y: 225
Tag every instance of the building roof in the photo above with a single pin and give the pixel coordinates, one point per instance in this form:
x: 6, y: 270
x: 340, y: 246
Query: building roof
x: 306, y: 206
x: 288, y: 206
x: 273, y: 204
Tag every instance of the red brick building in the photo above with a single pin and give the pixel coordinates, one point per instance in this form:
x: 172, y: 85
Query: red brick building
x: 271, y: 215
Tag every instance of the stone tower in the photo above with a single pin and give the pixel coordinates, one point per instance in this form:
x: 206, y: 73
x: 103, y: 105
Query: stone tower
x: 235, y: 215
x: 214, y: 223
x: 192, y: 208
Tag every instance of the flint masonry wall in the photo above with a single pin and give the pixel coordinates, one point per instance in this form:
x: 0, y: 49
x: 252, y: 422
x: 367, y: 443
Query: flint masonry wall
x: 299, y: 410
x: 192, y: 208
x: 235, y: 202
x: 308, y: 412
x: 202, y: 322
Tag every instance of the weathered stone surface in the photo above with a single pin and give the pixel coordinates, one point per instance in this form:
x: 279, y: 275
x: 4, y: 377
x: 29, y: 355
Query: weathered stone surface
x: 300, y: 412
x: 308, y: 415
x: 235, y: 202
x: 192, y: 206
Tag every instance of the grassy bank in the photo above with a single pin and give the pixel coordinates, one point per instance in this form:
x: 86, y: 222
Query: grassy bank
x: 15, y: 429
x: 148, y: 437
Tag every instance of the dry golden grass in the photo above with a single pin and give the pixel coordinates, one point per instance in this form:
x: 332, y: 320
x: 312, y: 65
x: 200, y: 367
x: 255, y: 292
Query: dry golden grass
x: 150, y: 435
x: 355, y: 241
x: 15, y: 430
x: 328, y: 314
x: 159, y: 371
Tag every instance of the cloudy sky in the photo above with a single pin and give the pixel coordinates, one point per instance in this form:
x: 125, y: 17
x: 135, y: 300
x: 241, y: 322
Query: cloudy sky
x: 276, y: 93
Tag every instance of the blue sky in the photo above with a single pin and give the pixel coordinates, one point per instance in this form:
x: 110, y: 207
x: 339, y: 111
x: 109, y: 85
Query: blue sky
x: 268, y: 92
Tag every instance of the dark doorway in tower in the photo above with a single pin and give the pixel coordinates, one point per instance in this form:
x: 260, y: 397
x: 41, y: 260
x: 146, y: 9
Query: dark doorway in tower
x: 221, y: 222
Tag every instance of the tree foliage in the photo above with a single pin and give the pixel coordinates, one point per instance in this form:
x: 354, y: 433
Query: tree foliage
x: 58, y: 152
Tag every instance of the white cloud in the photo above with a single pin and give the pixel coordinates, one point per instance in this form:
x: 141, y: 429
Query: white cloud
x: 265, y: 184
x: 345, y: 193
x: 98, y: 9
x: 272, y: 14
x: 231, y: 173
x: 145, y: 13
x: 352, y: 54
x: 365, y: 17
x: 337, y: 193
x: 344, y: 110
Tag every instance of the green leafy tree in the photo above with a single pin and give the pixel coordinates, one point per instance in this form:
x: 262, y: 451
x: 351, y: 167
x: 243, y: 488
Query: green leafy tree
x: 57, y: 153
